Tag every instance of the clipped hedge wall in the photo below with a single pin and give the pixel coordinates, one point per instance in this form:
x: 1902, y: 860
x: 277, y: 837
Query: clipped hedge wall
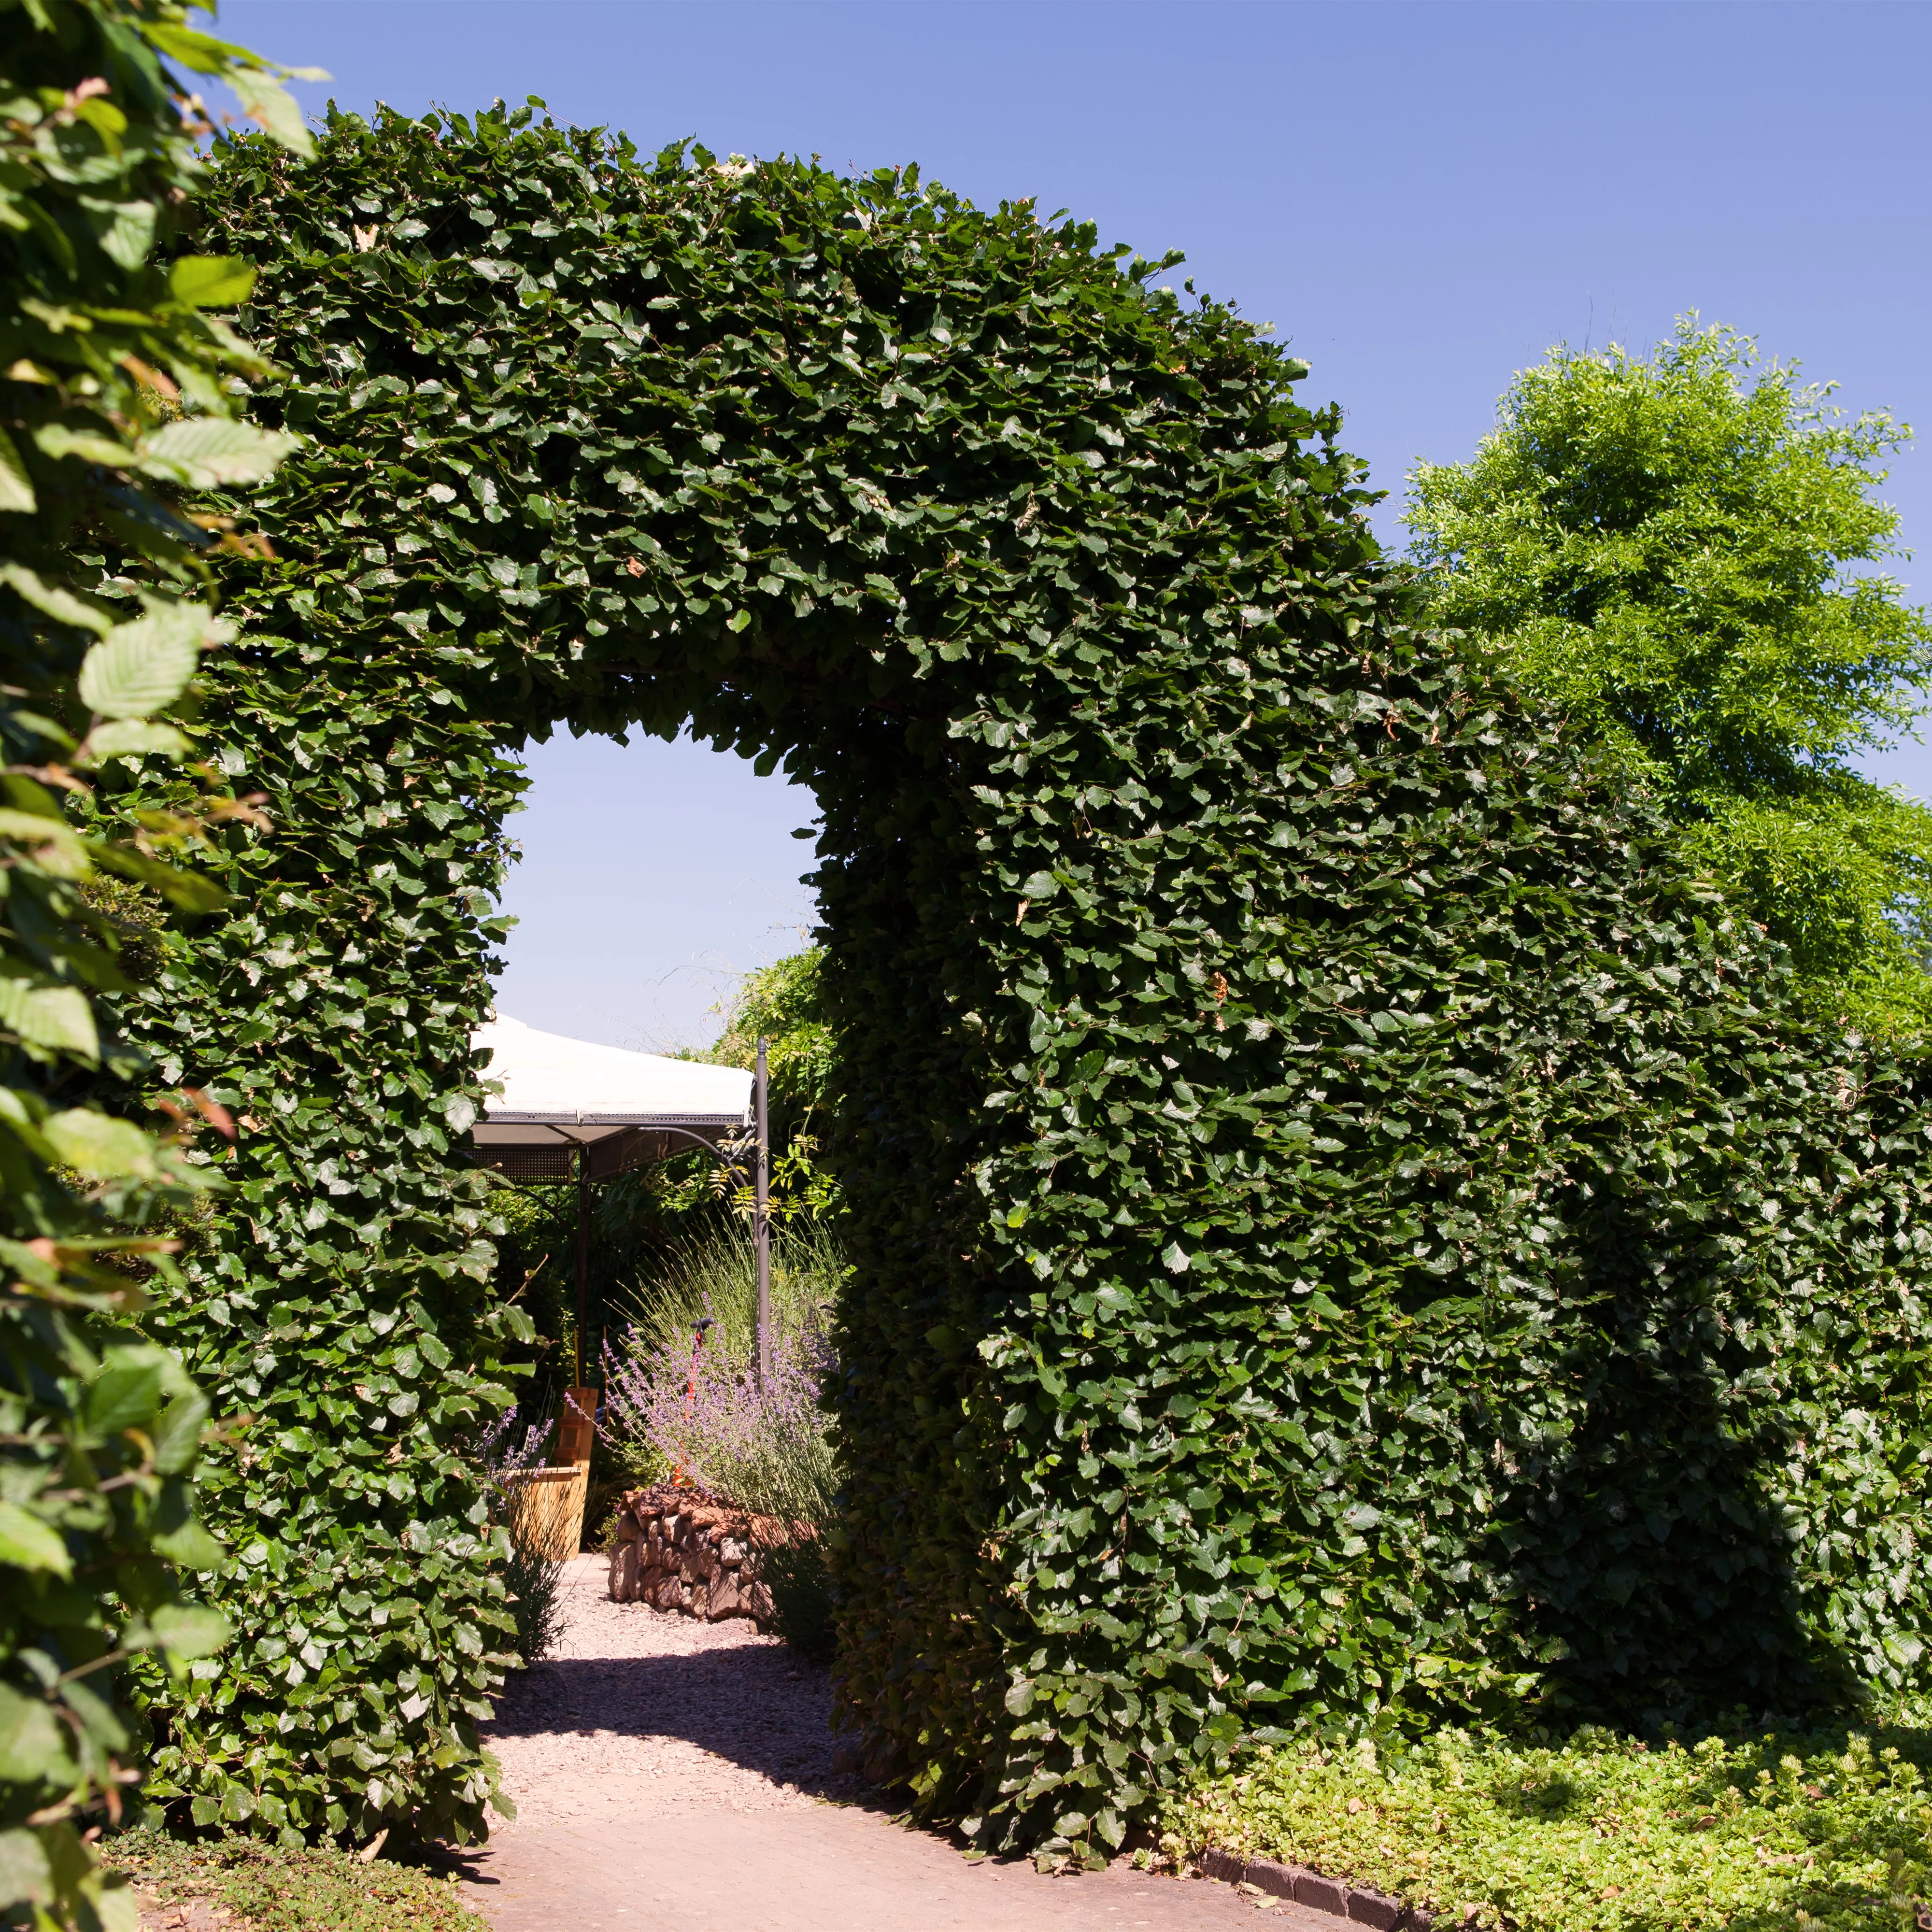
x: 1342, y: 1226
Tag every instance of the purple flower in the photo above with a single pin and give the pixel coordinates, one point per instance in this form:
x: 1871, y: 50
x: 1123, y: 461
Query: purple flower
x: 702, y: 1411
x: 499, y: 1453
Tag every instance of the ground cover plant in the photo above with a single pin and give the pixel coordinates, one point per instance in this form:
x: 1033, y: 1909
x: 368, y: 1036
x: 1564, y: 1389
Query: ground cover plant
x: 115, y: 409
x: 1342, y: 1227
x: 1777, y: 1832
x: 292, y: 1887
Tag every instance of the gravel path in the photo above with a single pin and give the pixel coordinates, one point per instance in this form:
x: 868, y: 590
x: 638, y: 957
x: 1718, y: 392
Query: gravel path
x: 674, y: 1773
x: 713, y: 1716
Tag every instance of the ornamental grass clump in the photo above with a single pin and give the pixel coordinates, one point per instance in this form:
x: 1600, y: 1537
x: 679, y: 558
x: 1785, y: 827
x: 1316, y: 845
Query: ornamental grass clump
x: 1778, y: 1833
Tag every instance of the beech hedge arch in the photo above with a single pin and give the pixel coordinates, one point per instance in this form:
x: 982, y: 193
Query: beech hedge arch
x: 1344, y: 1229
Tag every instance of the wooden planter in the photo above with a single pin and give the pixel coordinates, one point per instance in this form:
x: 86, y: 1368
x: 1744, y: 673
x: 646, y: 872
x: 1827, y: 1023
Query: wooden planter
x: 545, y: 1508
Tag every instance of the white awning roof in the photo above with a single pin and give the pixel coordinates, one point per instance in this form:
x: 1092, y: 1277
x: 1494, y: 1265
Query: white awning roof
x: 549, y: 1079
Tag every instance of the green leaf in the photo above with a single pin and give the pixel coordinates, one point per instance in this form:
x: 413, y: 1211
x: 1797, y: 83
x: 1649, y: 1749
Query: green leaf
x: 133, y: 738
x: 16, y: 487
x: 60, y: 850
x: 123, y: 1398
x: 192, y: 892
x: 189, y: 1630
x: 55, y: 601
x: 26, y: 1876
x: 57, y: 440
x: 207, y: 451
x: 178, y: 1439
x: 33, y: 1743
x: 278, y: 112
x: 191, y: 1547
x: 140, y: 668
x: 58, y: 1018
x: 29, y: 1544
x: 98, y: 1145
x: 211, y: 281
x: 193, y: 49
x: 124, y: 230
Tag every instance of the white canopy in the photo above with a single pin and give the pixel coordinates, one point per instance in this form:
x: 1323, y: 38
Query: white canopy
x: 546, y: 1077
x: 622, y: 1109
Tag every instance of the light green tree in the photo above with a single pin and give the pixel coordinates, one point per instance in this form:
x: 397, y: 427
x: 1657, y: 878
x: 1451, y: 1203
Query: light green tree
x: 785, y: 1003
x: 1681, y: 556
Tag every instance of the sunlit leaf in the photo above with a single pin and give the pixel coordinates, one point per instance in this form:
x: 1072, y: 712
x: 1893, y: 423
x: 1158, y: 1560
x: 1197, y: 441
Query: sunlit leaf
x: 144, y: 666
x: 29, y: 1544
x: 207, y: 451
x: 211, y: 281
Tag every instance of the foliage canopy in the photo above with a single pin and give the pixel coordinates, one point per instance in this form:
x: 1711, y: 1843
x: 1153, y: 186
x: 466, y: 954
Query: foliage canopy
x: 1339, y: 1224
x: 1675, y: 552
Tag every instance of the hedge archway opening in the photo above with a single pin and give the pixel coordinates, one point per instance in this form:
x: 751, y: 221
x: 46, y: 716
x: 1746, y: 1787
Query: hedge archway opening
x: 1342, y: 1227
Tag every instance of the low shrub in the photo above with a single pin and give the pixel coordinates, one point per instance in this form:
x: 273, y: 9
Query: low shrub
x: 304, y: 1888
x: 532, y: 1579
x: 1779, y: 1832
x: 794, y: 1570
x: 533, y: 1582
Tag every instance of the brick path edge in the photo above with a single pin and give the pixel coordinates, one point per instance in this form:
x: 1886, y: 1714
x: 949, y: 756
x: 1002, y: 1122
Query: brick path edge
x: 1372, y: 1908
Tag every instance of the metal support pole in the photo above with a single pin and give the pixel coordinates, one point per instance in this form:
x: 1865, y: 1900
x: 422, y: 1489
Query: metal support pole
x: 761, y: 1228
x: 582, y: 1252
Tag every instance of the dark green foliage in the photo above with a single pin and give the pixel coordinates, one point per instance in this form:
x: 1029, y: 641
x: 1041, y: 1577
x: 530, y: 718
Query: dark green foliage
x: 1339, y: 1226
x: 795, y: 1571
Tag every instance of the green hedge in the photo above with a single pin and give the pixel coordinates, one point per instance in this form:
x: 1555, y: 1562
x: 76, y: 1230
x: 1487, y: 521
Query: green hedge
x: 1342, y: 1228
x: 115, y: 407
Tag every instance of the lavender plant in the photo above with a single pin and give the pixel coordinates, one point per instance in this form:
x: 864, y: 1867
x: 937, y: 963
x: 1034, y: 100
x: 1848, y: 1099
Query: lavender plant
x: 689, y: 1397
x: 699, y: 1409
x: 501, y: 1456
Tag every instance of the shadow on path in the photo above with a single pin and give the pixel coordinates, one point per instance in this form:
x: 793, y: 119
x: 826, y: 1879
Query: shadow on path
x: 756, y: 1704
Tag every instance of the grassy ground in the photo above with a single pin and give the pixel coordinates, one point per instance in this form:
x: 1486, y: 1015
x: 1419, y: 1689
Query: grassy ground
x: 1774, y: 1834
x: 276, y: 1890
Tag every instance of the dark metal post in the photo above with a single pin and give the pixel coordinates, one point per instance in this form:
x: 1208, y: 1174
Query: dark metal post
x: 761, y: 1228
x: 582, y: 1252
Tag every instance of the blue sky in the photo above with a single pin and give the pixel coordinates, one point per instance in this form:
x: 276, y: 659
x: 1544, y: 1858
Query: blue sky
x: 1423, y: 198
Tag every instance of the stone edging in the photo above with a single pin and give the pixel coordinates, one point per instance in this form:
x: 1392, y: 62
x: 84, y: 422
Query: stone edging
x: 1310, y: 1889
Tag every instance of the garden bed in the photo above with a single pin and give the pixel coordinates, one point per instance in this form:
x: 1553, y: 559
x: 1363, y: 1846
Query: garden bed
x: 1778, y: 1833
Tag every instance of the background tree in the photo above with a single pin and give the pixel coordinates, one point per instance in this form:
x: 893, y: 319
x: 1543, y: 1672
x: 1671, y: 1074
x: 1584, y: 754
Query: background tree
x: 785, y: 1003
x: 114, y: 403
x: 1677, y: 554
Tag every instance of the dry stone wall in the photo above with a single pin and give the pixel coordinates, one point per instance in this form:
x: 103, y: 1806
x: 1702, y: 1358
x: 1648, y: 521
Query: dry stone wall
x: 679, y: 1549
